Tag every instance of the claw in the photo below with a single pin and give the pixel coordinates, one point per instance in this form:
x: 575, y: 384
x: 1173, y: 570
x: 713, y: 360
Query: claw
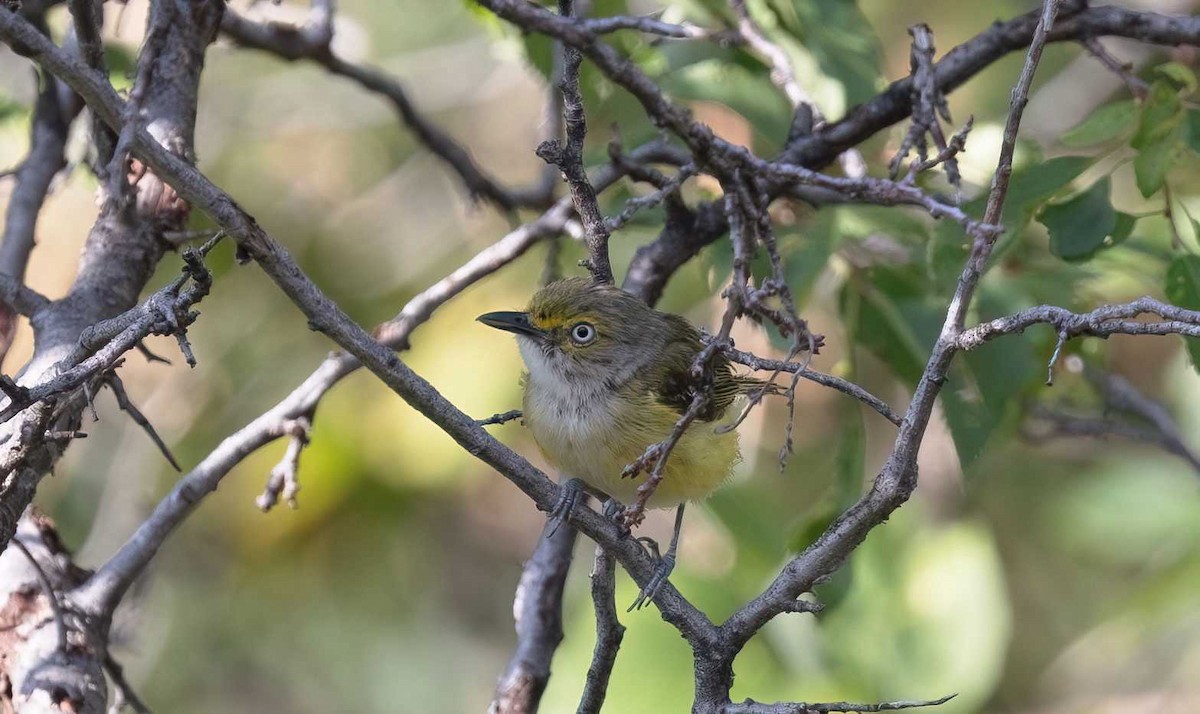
x: 613, y: 508
x: 568, y: 498
x: 666, y: 564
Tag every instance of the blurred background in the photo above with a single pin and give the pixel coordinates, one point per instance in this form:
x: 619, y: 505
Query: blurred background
x: 1051, y: 577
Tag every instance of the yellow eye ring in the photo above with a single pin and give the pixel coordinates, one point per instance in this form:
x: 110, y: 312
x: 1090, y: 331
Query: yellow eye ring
x: 583, y: 333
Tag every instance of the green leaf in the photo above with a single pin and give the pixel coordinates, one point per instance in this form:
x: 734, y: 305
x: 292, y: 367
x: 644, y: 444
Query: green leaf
x: 1105, y: 123
x: 1183, y: 289
x: 1180, y: 74
x: 895, y: 314
x: 897, y: 318
x: 945, y: 255
x: 1151, y: 165
x: 1191, y: 131
x: 1160, y: 130
x: 1031, y: 186
x: 1124, y: 227
x: 1162, y: 113
x: 1079, y: 226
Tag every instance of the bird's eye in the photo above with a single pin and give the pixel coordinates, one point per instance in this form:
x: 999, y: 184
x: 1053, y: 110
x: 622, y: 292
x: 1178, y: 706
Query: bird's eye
x: 583, y: 333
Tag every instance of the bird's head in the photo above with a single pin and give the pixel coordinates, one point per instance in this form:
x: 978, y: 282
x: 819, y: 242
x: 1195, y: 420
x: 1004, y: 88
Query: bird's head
x: 577, y: 329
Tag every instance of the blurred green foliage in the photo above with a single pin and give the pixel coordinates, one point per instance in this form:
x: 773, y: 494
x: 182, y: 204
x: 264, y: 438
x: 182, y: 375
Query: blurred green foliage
x: 1051, y: 578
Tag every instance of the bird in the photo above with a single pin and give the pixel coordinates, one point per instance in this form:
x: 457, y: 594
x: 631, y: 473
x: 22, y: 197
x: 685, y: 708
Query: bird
x: 607, y: 376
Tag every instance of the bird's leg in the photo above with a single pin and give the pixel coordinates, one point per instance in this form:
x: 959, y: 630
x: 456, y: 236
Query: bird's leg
x: 666, y: 564
x: 568, y: 497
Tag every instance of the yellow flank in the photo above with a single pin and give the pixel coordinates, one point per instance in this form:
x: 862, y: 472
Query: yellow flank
x: 594, y: 439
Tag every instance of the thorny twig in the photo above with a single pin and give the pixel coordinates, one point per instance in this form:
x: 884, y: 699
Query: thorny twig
x: 929, y: 106
x: 101, y: 346
x: 568, y: 157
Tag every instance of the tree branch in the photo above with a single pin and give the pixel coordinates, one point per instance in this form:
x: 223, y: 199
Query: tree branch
x: 1079, y: 22
x: 609, y: 633
x: 1101, y: 322
x: 537, y: 610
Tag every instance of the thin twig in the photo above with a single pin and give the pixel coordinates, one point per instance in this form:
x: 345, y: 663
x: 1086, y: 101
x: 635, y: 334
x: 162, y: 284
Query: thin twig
x: 500, y: 418
x: 654, y: 26
x: 1137, y: 86
x: 929, y: 107
x: 284, y: 479
x: 667, y: 190
x: 126, y: 405
x: 753, y: 707
x: 826, y: 380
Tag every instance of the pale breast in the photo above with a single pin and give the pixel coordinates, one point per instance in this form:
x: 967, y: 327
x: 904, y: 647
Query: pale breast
x: 563, y: 418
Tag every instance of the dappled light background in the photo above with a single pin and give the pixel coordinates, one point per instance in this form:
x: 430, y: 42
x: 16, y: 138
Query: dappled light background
x: 1049, y: 578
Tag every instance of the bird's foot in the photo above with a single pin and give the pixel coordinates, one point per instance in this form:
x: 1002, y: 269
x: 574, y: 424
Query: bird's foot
x: 645, y: 462
x: 568, y: 497
x: 613, y: 508
x: 666, y: 564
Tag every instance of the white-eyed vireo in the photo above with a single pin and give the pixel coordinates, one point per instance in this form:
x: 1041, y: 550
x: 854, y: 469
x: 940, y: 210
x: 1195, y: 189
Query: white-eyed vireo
x: 610, y: 376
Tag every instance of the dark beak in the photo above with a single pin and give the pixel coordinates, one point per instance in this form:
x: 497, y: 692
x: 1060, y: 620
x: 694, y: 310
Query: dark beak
x: 517, y: 322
